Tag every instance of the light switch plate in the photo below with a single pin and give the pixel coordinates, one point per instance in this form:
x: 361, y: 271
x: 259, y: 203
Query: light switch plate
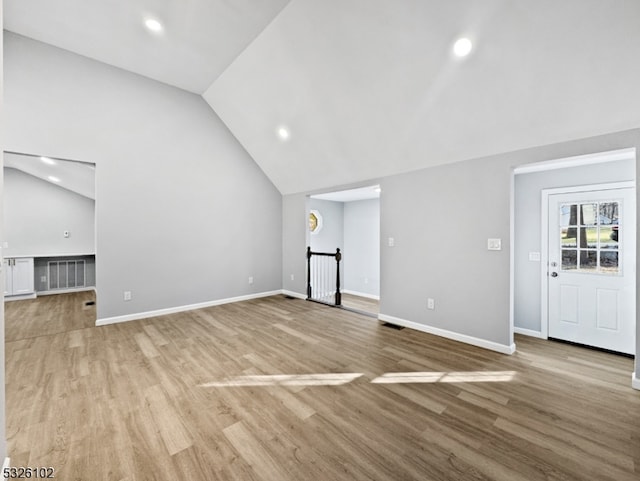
x: 494, y: 244
x: 534, y: 256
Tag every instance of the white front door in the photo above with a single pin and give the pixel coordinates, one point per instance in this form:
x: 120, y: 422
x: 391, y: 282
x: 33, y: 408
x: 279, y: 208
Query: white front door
x: 592, y: 268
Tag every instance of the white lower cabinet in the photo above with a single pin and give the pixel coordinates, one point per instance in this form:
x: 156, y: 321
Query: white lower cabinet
x: 18, y: 276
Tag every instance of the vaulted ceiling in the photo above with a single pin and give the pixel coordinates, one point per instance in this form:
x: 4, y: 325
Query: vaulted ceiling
x: 78, y: 177
x: 324, y: 93
x: 201, y: 38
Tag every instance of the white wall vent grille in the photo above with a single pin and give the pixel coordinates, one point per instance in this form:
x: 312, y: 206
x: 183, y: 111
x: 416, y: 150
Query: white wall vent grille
x: 66, y: 274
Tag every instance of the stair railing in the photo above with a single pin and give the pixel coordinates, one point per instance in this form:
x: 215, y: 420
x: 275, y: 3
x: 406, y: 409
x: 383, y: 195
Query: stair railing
x: 323, y: 277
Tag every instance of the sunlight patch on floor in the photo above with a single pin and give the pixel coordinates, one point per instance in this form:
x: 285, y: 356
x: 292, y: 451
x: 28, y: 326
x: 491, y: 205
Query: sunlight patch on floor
x: 450, y: 377
x: 329, y: 379
x: 336, y: 379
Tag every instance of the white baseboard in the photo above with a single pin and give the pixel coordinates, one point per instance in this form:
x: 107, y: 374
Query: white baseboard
x: 474, y: 341
x: 20, y: 298
x: 173, y: 310
x: 635, y: 382
x: 360, y: 294
x: 297, y: 295
x: 65, y: 291
x: 528, y: 332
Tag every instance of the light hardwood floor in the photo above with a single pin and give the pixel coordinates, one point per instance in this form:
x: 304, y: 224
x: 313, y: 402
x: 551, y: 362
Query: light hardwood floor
x: 361, y: 303
x: 47, y: 315
x: 280, y: 389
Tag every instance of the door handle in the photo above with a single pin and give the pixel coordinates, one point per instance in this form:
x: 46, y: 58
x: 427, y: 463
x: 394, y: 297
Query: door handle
x: 554, y: 274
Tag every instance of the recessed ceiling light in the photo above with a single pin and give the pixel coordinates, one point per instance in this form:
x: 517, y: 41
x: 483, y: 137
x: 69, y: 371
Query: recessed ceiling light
x: 53, y: 178
x: 47, y: 160
x: 154, y: 25
x: 462, y: 47
x: 283, y: 133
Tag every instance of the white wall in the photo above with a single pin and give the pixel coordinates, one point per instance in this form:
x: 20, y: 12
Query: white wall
x: 3, y: 440
x: 440, y: 219
x: 183, y: 213
x: 36, y: 214
x: 295, y: 240
x: 331, y: 236
x: 527, y: 235
x: 362, y: 247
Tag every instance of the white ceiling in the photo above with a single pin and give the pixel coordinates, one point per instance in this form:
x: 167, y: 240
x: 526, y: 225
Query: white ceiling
x: 351, y: 195
x: 78, y: 177
x: 370, y: 88
x: 201, y: 37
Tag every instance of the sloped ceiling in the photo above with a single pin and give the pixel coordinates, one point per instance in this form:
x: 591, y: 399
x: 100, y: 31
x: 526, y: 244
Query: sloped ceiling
x: 78, y: 177
x: 369, y: 88
x: 200, y: 39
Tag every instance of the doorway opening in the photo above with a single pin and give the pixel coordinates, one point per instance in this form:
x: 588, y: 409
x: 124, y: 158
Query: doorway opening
x: 349, y: 220
x: 591, y: 252
x: 578, y: 209
x: 49, y: 245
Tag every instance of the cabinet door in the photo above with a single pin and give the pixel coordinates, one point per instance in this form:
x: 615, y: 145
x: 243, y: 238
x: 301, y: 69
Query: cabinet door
x: 8, y: 277
x: 23, y: 276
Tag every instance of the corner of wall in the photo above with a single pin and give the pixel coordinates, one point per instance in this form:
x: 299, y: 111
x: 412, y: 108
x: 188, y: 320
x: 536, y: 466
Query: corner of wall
x: 3, y: 441
x: 455, y: 336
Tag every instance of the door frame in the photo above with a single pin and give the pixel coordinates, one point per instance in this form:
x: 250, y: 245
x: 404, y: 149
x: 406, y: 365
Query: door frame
x: 544, y: 241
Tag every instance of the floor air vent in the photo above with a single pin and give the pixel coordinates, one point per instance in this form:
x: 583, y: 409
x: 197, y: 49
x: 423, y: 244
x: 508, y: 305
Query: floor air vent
x: 392, y: 326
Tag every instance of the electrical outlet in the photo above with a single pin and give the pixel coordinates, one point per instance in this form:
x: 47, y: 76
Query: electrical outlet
x: 43, y: 278
x: 494, y: 244
x: 292, y: 277
x: 127, y: 295
x: 431, y: 304
x: 250, y: 279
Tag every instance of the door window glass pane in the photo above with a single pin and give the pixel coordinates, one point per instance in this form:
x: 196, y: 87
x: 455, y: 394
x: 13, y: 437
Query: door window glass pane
x: 569, y: 237
x: 589, y: 237
x: 589, y: 261
x: 609, y: 237
x: 609, y: 224
x: 609, y: 262
x: 608, y: 213
x: 588, y: 214
x: 569, y: 259
x: 568, y: 215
